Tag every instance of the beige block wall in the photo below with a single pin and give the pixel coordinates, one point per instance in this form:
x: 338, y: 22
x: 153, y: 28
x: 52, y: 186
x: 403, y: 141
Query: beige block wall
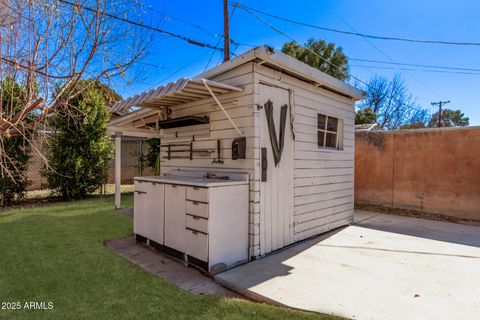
x: 430, y: 170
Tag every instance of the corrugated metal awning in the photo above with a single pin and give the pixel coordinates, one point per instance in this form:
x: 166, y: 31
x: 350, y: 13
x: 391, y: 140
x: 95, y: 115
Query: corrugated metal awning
x: 175, y: 93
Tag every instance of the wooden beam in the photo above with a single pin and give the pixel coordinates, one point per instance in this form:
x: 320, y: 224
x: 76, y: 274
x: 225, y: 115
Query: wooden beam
x: 118, y: 169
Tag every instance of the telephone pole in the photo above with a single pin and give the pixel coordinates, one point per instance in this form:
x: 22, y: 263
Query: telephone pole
x: 226, y: 32
x: 440, y: 104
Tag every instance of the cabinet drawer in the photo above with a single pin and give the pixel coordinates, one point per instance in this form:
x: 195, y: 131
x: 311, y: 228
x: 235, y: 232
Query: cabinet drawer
x: 196, y: 223
x: 196, y: 208
x: 197, y: 245
x: 197, y: 194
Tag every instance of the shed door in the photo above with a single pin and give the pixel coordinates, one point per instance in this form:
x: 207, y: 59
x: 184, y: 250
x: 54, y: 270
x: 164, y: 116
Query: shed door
x: 276, y: 193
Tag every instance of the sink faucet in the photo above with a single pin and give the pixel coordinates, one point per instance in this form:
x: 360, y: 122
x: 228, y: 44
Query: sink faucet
x: 209, y: 175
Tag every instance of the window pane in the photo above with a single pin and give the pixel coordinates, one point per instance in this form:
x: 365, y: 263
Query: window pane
x: 321, y: 121
x: 331, y: 141
x: 332, y: 124
x: 321, y: 136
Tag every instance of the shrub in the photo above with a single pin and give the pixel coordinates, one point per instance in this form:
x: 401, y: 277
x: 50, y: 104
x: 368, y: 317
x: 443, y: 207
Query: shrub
x: 13, y: 184
x: 15, y: 151
x: 80, y: 148
x: 152, y: 157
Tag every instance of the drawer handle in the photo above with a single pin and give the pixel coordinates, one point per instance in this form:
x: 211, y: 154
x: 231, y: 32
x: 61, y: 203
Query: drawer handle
x: 174, y: 185
x: 140, y: 192
x: 196, y: 218
x: 195, y: 231
x: 196, y: 188
x: 195, y: 203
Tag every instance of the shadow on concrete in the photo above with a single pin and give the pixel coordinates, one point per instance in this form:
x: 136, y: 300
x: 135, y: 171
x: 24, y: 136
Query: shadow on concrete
x: 268, y: 267
x: 435, y: 230
x: 244, y: 278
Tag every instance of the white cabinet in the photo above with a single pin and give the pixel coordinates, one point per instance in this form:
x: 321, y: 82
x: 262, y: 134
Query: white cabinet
x: 217, y: 224
x: 148, y: 214
x: 207, y: 225
x: 175, y: 234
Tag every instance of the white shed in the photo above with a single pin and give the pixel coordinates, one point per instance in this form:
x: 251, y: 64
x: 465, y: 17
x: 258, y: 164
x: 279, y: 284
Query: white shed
x: 298, y: 125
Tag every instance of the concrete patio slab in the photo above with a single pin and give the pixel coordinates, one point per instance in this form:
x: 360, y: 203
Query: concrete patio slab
x: 382, y: 267
x: 189, y: 279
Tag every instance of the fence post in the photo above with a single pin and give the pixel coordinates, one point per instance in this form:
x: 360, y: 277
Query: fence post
x: 118, y: 169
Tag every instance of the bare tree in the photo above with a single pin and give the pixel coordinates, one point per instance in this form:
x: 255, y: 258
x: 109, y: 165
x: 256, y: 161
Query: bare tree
x: 48, y: 46
x: 392, y: 104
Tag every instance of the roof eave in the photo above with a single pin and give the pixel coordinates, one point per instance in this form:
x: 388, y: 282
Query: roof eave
x: 292, y: 66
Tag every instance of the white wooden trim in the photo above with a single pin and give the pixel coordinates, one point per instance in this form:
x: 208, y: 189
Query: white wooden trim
x: 133, y: 132
x: 205, y: 82
x: 118, y: 169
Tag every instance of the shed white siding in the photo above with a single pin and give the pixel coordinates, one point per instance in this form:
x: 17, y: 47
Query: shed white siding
x: 240, y: 107
x: 323, y: 179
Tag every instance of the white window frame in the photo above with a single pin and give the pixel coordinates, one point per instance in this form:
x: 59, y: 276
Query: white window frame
x: 338, y: 133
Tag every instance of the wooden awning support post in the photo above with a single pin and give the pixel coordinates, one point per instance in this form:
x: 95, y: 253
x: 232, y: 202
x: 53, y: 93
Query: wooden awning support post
x: 118, y: 169
x: 222, y: 108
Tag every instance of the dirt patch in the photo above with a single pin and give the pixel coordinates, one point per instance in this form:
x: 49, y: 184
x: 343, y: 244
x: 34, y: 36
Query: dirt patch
x: 414, y: 214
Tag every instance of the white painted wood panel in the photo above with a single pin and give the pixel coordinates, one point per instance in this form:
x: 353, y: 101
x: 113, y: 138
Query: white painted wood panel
x: 276, y: 194
x: 175, y: 208
x: 300, y: 191
x: 228, y: 225
x: 154, y: 203
x: 301, y: 173
x: 340, y: 220
x: 240, y: 107
x: 323, y: 178
x: 316, y: 218
x: 321, y: 197
x: 315, y: 181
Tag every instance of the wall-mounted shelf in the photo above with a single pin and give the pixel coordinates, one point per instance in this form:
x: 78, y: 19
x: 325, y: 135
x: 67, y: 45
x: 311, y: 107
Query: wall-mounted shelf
x: 182, y: 122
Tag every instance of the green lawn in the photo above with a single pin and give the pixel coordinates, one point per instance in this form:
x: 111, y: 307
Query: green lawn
x: 55, y: 253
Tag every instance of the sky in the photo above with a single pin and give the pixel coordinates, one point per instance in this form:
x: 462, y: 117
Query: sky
x: 169, y: 58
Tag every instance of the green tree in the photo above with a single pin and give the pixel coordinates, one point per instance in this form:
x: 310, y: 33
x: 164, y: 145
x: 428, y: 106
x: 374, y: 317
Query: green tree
x: 450, y: 118
x: 80, y: 148
x: 365, y: 116
x: 326, y: 57
x: 16, y: 150
x: 392, y: 103
x: 413, y: 125
x: 152, y: 157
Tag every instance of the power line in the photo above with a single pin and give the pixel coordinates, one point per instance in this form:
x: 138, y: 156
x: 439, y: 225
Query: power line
x: 389, y: 58
x: 138, y: 24
x: 159, y: 66
x: 237, y: 4
x: 178, y: 70
x: 196, y: 26
x: 199, y: 27
x: 419, y: 70
x: 416, y: 65
x: 295, y: 41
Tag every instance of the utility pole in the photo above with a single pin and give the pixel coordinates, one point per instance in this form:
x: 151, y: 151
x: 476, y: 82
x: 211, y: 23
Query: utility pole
x: 440, y: 104
x: 226, y: 32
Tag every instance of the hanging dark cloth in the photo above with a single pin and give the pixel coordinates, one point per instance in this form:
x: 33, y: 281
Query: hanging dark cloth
x: 277, y: 144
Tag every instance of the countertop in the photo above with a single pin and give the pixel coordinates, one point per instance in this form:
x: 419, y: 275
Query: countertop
x: 191, y: 181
